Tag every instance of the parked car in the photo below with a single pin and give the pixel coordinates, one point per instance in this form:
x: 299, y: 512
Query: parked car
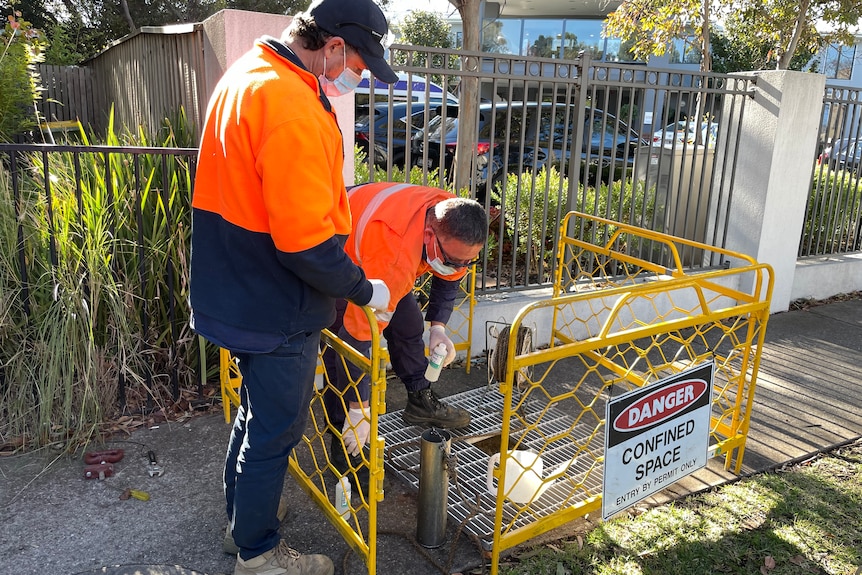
x: 685, y: 132
x: 843, y: 154
x: 383, y: 113
x: 515, y: 137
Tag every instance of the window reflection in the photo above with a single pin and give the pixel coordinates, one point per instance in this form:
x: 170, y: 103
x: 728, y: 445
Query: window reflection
x: 501, y: 36
x: 542, y: 38
x: 838, y: 64
x: 583, y: 35
x: 558, y: 38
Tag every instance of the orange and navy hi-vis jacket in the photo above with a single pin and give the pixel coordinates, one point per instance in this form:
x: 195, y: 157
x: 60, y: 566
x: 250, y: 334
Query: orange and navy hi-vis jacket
x: 270, y: 210
x: 387, y: 241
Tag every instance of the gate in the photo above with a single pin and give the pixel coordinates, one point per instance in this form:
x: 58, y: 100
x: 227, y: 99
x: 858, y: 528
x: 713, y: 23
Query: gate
x: 619, y: 322
x: 310, y: 464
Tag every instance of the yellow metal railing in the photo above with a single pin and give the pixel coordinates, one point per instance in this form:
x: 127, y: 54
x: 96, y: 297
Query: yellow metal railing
x: 620, y: 322
x: 310, y: 463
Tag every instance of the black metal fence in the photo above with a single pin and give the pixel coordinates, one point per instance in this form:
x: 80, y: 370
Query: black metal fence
x: 650, y: 147
x: 833, y: 216
x: 95, y: 256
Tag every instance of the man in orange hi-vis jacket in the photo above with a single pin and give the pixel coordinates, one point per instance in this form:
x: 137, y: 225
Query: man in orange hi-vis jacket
x: 400, y: 232
x: 270, y: 216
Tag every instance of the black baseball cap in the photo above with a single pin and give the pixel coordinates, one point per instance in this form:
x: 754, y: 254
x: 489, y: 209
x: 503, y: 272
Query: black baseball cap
x: 361, y: 24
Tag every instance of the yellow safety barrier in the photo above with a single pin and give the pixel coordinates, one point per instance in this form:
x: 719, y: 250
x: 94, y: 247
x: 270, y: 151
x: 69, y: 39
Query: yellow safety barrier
x: 230, y: 379
x: 460, y: 325
x: 310, y: 463
x: 619, y: 322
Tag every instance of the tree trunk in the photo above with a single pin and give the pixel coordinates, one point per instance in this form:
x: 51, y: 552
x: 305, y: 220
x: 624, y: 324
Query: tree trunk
x: 127, y: 15
x: 787, y: 52
x: 706, y: 57
x: 468, y: 109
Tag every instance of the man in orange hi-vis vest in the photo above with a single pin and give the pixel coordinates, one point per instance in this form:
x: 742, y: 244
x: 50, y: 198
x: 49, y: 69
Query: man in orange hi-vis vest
x: 270, y: 215
x: 400, y: 232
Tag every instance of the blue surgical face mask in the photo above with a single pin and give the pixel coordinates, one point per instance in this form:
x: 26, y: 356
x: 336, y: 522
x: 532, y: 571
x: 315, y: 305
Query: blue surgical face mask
x: 345, y: 83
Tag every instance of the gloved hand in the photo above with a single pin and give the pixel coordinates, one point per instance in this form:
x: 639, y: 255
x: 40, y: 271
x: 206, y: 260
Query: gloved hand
x: 383, y: 316
x: 380, y: 296
x: 436, y: 336
x: 355, y: 431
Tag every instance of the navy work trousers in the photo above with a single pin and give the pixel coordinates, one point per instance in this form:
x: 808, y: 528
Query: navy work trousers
x: 406, y: 352
x: 274, y: 397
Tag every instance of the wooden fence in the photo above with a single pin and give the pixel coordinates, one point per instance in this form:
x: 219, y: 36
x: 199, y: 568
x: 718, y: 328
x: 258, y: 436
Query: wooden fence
x: 146, y: 78
x: 69, y: 94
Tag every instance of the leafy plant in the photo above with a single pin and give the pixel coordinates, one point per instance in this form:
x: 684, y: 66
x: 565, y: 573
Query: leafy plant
x: 833, y: 213
x: 99, y: 307
x: 20, y: 48
x: 533, y: 209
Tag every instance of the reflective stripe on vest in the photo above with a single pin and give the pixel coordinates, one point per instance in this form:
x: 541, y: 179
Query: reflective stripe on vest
x: 372, y: 206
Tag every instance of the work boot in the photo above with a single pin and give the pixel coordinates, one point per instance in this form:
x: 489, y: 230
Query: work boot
x: 338, y: 457
x: 228, y: 545
x: 282, y: 560
x: 425, y: 408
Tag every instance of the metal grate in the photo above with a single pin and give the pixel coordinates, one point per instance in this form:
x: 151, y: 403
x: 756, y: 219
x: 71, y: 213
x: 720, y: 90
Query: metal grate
x: 470, y: 502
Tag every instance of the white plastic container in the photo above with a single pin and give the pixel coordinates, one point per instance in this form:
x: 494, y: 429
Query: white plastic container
x: 435, y: 362
x: 342, y: 496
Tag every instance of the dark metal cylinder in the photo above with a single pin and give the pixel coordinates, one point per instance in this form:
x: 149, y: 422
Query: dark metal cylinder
x: 433, y: 488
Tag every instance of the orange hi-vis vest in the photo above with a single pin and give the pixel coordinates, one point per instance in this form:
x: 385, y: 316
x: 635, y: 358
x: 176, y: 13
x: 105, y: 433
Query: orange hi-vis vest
x: 387, y: 242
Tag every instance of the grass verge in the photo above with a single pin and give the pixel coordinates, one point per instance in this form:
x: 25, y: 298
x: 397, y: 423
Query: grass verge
x: 799, y: 520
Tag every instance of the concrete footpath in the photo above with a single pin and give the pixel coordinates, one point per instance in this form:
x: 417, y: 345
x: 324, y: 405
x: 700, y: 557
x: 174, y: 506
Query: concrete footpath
x: 54, y: 522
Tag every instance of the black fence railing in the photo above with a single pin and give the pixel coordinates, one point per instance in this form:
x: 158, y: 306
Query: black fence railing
x: 833, y: 215
x: 94, y: 270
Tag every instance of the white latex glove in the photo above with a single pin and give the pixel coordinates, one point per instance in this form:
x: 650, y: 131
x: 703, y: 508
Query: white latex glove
x: 436, y: 336
x: 355, y: 431
x: 383, y: 316
x: 380, y: 296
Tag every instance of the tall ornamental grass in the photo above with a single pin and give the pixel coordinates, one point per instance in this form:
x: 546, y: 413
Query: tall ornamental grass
x: 94, y: 272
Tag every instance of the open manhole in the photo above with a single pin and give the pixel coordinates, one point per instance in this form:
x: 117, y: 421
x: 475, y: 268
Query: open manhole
x: 470, y: 502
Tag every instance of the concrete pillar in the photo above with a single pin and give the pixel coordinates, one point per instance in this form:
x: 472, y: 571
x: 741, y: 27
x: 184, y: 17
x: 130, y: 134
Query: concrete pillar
x: 777, y: 148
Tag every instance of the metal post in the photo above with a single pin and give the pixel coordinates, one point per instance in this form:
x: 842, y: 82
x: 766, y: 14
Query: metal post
x: 433, y: 488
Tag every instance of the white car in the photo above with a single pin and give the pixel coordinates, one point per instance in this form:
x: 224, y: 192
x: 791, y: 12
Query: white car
x: 683, y: 132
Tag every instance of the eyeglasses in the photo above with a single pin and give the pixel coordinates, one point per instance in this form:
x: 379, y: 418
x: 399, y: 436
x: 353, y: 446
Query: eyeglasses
x: 383, y: 39
x: 451, y: 264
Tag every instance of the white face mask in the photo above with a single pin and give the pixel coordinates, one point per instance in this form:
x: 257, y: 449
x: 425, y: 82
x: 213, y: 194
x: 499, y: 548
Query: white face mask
x: 437, y: 264
x: 345, y: 83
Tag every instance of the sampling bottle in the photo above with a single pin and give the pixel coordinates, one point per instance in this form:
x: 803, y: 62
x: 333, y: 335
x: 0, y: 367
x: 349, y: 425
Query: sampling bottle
x: 435, y: 362
x: 342, y: 496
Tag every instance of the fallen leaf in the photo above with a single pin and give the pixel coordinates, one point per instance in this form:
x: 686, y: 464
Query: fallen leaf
x: 580, y: 543
x: 798, y: 560
x: 769, y: 562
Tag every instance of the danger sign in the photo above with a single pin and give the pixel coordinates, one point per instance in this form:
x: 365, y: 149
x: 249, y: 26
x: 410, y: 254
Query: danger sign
x: 656, y: 435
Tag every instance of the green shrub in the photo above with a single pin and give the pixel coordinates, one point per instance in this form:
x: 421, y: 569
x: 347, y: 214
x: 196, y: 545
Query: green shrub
x: 20, y: 49
x: 104, y: 296
x: 533, y: 210
x: 831, y: 216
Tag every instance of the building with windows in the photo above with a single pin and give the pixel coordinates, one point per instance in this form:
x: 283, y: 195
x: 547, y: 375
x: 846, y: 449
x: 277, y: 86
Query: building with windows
x: 562, y: 29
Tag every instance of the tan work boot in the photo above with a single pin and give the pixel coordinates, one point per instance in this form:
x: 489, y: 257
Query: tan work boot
x: 227, y: 544
x: 282, y: 560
